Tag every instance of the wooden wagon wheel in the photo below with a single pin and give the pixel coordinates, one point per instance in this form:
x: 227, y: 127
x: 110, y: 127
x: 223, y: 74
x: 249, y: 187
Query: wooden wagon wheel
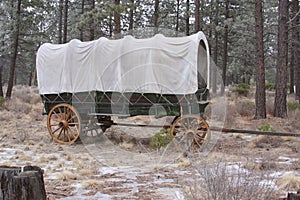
x: 190, y: 133
x: 64, y: 123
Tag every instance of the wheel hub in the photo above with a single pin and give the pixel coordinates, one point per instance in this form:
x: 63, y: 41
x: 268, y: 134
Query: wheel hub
x: 63, y: 123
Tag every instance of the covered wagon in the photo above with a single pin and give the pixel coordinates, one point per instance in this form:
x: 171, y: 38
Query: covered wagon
x: 160, y: 76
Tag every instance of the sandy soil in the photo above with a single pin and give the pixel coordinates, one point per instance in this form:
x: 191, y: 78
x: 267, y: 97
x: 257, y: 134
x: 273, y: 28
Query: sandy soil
x: 103, y: 170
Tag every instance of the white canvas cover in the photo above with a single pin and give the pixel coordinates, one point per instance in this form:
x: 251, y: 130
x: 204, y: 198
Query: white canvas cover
x: 154, y: 65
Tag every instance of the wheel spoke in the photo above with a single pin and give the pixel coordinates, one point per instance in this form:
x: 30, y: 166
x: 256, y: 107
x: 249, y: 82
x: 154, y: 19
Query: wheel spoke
x: 73, y: 124
x: 55, y: 119
x: 70, y: 132
x: 54, y: 124
x: 57, y: 114
x: 73, y: 117
x: 59, y: 134
x: 68, y: 135
x: 65, y: 112
x: 56, y: 130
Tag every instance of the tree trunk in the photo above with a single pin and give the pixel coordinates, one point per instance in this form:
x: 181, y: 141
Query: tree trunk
x: 15, y: 51
x: 296, y: 42
x: 22, y: 184
x: 156, y: 16
x: 293, y: 196
x: 30, y: 76
x: 187, y: 18
x: 216, y: 49
x: 60, y: 20
x: 197, y: 16
x: 177, y: 16
x: 1, y: 86
x: 225, y: 49
x: 66, y: 9
x: 131, y: 15
x: 280, y: 109
x: 260, y: 95
x: 117, y: 20
x: 92, y: 22
x: 292, y: 66
x: 82, y: 12
x: 110, y: 25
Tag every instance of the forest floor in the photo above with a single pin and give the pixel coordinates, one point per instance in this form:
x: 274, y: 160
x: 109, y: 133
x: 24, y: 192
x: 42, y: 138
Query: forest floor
x: 236, y: 165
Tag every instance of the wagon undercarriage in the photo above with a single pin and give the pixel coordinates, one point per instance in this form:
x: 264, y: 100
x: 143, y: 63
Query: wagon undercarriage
x: 74, y: 116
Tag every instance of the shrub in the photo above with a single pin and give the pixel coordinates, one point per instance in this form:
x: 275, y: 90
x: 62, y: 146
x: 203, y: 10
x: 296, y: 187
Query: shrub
x: 289, y: 182
x: 270, y: 86
x: 266, y: 127
x: 2, y: 100
x: 226, y: 180
x: 160, y: 139
x: 242, y: 89
x: 245, y: 108
x: 293, y: 106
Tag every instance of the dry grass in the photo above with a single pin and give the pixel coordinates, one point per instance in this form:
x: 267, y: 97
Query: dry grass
x: 67, y: 175
x: 289, y: 182
x: 268, y: 141
x: 245, y: 107
x: 5, y: 116
x: 222, y: 180
x: 91, y: 184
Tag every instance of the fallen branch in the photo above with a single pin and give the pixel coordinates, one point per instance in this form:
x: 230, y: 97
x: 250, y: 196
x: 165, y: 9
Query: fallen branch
x: 254, y: 132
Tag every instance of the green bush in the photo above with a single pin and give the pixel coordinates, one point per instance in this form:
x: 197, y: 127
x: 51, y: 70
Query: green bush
x: 242, y: 89
x: 266, y: 127
x: 293, y: 106
x: 2, y: 100
x: 270, y: 86
x: 160, y: 139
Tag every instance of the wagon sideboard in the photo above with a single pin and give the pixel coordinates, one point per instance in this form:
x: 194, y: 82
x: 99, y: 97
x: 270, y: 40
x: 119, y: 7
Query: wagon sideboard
x: 130, y: 104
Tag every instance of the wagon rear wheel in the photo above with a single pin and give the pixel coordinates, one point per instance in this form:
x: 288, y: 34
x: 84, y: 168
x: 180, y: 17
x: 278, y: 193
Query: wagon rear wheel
x: 190, y: 133
x: 64, y: 123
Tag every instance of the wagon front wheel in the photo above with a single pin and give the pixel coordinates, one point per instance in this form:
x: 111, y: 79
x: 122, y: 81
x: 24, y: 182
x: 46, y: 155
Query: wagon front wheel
x: 190, y: 133
x: 63, y: 123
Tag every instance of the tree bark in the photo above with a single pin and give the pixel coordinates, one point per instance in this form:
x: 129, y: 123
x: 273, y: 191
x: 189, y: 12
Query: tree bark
x: 177, y: 16
x: 197, y: 16
x: 293, y: 196
x: 260, y: 95
x: 280, y: 109
x: 117, y: 20
x: 216, y: 49
x: 187, y: 18
x: 292, y: 66
x: 296, y: 48
x: 1, y: 86
x: 66, y: 9
x: 156, y: 15
x: 22, y: 184
x: 15, y: 52
x: 225, y: 49
x: 92, y: 22
x: 82, y: 12
x: 131, y: 15
x: 60, y: 20
x: 294, y: 40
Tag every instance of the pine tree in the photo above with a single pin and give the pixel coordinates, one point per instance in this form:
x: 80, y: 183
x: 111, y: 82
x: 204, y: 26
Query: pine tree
x: 280, y: 103
x: 260, y: 95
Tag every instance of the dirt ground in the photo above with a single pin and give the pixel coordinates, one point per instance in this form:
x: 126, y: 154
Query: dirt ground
x: 104, y: 170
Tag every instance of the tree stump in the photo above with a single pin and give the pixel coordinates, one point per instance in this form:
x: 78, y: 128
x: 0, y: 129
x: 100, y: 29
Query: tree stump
x: 24, y: 183
x: 294, y: 196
